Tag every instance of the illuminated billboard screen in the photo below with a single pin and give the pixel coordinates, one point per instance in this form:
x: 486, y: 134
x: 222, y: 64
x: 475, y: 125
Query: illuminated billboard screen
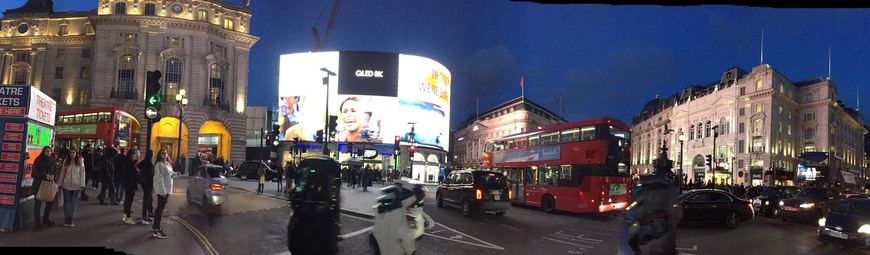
x: 374, y: 94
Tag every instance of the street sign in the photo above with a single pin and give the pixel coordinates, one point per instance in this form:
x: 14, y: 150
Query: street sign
x: 151, y: 113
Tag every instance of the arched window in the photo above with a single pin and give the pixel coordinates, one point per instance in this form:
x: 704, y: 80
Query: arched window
x: 691, y: 132
x: 63, y: 30
x: 20, y: 76
x: 700, y: 130
x: 707, y: 129
x: 172, y: 78
x: 756, y: 126
x: 126, y: 72
x: 723, y: 125
x: 121, y: 8
x: 216, y: 85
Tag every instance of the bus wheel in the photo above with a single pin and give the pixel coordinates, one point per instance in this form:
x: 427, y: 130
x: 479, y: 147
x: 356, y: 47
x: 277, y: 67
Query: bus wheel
x: 547, y: 204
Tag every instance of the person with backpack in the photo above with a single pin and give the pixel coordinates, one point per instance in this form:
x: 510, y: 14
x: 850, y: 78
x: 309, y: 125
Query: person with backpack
x: 107, y: 177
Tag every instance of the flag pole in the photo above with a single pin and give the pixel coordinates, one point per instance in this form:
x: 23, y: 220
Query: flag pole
x: 522, y: 88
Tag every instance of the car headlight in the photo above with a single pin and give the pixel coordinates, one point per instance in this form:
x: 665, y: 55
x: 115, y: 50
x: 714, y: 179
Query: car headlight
x: 809, y: 205
x: 781, y: 204
x: 864, y: 229
x: 822, y: 222
x: 766, y: 202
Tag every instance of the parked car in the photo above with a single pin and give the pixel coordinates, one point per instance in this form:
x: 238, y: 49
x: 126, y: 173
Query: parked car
x: 810, y: 204
x: 847, y: 224
x: 474, y: 191
x: 208, y: 188
x: 715, y: 206
x: 857, y: 195
x: 768, y: 202
x: 248, y: 170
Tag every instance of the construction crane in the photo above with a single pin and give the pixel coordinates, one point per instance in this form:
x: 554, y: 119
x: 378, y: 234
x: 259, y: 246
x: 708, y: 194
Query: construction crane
x: 318, y: 45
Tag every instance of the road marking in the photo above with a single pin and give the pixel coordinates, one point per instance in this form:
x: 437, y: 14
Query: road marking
x: 355, y: 217
x: 456, y: 237
x: 568, y: 243
x: 436, y: 231
x: 593, y: 232
x: 199, y: 236
x: 694, y: 248
x: 468, y: 243
x: 490, y: 245
x: 431, y: 221
x: 503, y: 225
x: 351, y: 234
x: 578, y: 237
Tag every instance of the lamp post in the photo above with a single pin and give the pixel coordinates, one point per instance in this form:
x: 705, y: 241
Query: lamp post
x: 326, y: 121
x: 715, y: 164
x: 181, y: 100
x: 682, y: 139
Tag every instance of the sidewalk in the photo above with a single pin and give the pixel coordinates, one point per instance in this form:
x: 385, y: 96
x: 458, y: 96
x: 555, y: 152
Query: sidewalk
x: 100, y: 226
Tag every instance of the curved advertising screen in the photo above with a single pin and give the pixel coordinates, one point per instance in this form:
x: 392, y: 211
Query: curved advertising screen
x: 375, y: 96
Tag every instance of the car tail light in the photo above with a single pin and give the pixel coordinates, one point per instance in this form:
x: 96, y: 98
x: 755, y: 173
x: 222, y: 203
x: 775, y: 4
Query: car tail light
x: 510, y: 194
x: 412, y: 221
x: 216, y: 187
x: 478, y: 194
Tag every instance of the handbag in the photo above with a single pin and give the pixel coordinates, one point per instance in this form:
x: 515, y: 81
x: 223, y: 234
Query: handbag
x: 58, y: 199
x: 47, y: 191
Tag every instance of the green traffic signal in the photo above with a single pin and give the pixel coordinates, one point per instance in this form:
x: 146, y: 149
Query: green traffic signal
x: 154, y: 99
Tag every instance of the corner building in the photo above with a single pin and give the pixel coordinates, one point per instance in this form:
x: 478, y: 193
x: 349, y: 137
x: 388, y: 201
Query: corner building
x: 100, y: 58
x: 759, y: 123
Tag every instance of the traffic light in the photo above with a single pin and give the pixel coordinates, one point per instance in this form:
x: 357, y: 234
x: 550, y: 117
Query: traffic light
x: 319, y: 136
x: 411, y: 152
x: 152, y: 94
x: 276, y: 131
x: 350, y: 148
x: 269, y: 140
x: 333, y: 124
x: 709, y: 160
x: 360, y: 152
x: 396, y: 145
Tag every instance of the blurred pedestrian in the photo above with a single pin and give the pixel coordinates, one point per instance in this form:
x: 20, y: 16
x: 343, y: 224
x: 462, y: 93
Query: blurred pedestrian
x: 88, y: 161
x: 72, y: 182
x: 163, y: 175
x: 280, y: 176
x: 44, y: 171
x: 120, y: 162
x: 289, y: 172
x: 146, y: 179
x: 107, y: 177
x: 261, y: 178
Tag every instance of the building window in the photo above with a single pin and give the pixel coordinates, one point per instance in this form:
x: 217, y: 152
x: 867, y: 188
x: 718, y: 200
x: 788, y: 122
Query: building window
x: 120, y: 8
x: 22, y: 57
x: 89, y: 29
x: 149, y: 9
x: 55, y: 94
x: 83, y: 96
x: 741, y: 127
x: 202, y: 15
x: 700, y: 131
x: 128, y: 38
x: 741, y: 146
x: 756, y: 127
x: 85, y: 72
x: 20, y: 77
x: 58, y: 72
x: 809, y: 134
x: 780, y: 110
x: 217, y: 50
x: 86, y: 53
x: 172, y: 78
x: 809, y: 117
x: 742, y: 91
x: 742, y: 111
x: 216, y: 85
x: 691, y: 132
x: 228, y: 24
x: 61, y: 54
x: 758, y: 85
x: 740, y: 163
x: 723, y: 125
x: 758, y: 107
x: 708, y: 128
x: 125, y: 77
x: 63, y: 30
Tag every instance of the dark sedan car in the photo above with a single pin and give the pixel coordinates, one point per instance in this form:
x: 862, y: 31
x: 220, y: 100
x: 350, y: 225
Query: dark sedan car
x: 475, y: 191
x: 768, y: 202
x: 848, y: 224
x: 248, y: 170
x: 810, y: 204
x: 715, y: 206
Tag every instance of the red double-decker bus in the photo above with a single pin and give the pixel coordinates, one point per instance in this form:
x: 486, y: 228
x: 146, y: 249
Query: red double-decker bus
x: 99, y: 127
x: 580, y: 166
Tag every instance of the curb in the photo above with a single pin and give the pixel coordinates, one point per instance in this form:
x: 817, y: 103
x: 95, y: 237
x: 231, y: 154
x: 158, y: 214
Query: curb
x: 345, y: 211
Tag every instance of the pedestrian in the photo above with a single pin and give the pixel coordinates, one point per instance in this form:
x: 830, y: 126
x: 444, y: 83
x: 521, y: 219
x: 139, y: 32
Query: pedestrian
x: 44, y: 171
x: 72, y: 181
x: 280, y: 176
x: 120, y: 162
x: 88, y: 161
x: 261, y: 180
x: 289, y: 172
x: 98, y: 154
x: 163, y: 175
x: 130, y: 182
x: 366, y: 176
x: 146, y: 179
x: 107, y: 177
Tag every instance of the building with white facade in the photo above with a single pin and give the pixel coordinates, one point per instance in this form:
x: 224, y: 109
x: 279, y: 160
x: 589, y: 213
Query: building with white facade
x: 754, y: 125
x: 515, y: 116
x: 100, y: 58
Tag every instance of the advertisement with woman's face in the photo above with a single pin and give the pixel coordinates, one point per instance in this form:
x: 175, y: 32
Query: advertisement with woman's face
x: 373, y: 101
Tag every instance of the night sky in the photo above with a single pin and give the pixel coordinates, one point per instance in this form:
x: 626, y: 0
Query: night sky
x: 603, y: 60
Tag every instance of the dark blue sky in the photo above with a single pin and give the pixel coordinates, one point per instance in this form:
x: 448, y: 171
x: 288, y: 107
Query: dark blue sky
x: 603, y: 60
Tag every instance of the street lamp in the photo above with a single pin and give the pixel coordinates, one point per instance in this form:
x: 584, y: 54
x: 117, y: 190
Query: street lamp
x: 715, y: 134
x: 326, y: 121
x: 682, y: 138
x: 181, y: 100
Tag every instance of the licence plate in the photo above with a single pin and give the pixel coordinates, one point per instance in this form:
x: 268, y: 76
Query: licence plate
x: 496, y: 197
x: 836, y: 234
x: 790, y: 209
x: 496, y: 193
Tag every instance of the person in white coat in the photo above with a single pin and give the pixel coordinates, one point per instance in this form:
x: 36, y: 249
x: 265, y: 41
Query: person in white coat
x: 72, y: 182
x: 163, y: 175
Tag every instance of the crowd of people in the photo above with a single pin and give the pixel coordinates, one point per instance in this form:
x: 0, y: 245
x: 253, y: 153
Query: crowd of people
x: 116, y: 172
x: 363, y: 177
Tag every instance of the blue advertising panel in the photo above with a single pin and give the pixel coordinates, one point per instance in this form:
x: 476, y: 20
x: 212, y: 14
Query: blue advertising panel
x: 537, y: 154
x: 11, y: 167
